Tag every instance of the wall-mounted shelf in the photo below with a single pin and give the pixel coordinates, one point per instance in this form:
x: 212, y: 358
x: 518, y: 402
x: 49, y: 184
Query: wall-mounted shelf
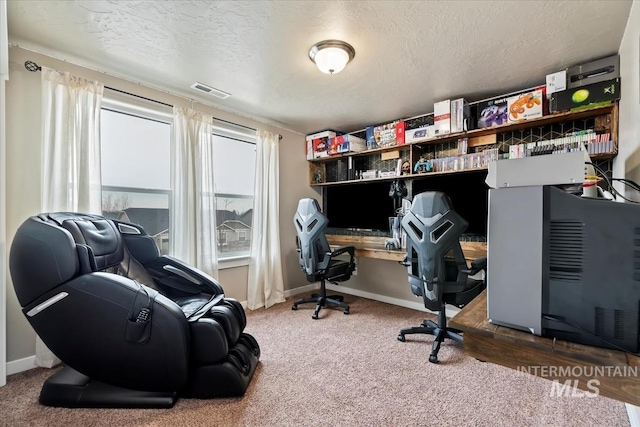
x: 411, y: 176
x: 602, y: 118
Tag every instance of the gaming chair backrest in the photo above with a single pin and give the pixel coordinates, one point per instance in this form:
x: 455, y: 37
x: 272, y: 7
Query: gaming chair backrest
x: 310, y: 226
x: 433, y: 228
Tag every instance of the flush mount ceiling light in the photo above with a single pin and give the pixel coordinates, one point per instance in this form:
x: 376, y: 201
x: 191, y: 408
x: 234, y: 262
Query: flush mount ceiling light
x: 331, y: 56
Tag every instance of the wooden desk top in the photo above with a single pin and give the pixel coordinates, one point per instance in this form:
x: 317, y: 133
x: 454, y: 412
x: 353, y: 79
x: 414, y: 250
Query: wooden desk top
x: 373, y: 247
x: 517, y: 349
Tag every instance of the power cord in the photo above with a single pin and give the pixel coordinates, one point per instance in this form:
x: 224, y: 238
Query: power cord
x: 581, y: 329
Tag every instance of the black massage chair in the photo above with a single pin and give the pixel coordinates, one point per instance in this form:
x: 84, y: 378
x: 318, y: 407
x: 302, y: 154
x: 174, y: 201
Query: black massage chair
x: 133, y: 328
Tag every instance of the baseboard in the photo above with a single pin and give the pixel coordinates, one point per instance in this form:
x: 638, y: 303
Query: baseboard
x: 301, y: 290
x: 289, y: 293
x: 634, y: 414
x: 419, y: 306
x: 21, y: 365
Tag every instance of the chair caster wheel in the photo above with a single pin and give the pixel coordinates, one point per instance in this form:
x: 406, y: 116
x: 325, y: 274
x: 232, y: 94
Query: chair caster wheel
x: 294, y: 307
x: 346, y: 311
x: 433, y: 358
x: 314, y: 316
x: 401, y: 338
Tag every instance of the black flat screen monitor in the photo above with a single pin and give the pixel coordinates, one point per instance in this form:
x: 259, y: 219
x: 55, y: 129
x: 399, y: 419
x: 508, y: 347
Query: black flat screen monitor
x: 362, y: 206
x: 468, y: 192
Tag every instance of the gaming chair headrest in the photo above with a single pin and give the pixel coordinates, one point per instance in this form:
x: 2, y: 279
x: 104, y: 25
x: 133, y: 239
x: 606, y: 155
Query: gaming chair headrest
x: 307, y: 207
x: 430, y: 204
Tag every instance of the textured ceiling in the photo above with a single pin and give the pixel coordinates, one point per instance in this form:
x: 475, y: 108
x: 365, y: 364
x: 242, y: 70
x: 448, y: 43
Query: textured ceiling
x: 408, y: 54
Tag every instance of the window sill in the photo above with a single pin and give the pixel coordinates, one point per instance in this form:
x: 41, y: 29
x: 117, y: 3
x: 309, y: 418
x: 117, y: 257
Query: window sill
x: 233, y: 262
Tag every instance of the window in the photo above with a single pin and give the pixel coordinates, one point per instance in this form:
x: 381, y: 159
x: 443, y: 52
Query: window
x: 136, y: 140
x: 234, y: 152
x: 135, y: 157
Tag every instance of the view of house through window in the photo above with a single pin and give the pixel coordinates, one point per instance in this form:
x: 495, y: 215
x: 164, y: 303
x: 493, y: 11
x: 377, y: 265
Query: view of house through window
x: 136, y: 184
x: 135, y: 172
x: 234, y: 172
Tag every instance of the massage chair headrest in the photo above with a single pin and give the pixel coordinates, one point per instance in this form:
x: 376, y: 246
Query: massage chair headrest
x: 51, y: 249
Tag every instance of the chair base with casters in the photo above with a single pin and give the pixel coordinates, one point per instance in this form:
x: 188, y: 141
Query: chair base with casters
x: 439, y: 330
x: 322, y: 300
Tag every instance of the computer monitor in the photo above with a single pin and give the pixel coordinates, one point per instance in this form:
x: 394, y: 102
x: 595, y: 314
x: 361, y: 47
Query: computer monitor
x: 361, y: 206
x: 468, y: 192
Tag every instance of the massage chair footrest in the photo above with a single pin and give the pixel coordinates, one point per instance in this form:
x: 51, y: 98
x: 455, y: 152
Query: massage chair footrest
x: 229, y: 378
x: 69, y: 388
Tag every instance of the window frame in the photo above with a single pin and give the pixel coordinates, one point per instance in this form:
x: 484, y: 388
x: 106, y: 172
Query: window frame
x: 233, y: 131
x: 148, y: 109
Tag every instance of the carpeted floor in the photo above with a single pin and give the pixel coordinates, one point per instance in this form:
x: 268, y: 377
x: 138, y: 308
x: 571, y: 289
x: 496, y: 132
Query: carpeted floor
x: 343, y: 371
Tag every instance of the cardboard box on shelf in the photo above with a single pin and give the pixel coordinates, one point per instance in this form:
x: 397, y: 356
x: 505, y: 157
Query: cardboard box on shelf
x: 600, y: 70
x: 386, y: 135
x: 413, y: 135
x: 442, y: 117
x: 459, y: 115
x: 346, y: 143
x: 320, y: 147
x: 316, y: 139
x: 585, y: 96
x: 527, y: 105
x: 492, y: 112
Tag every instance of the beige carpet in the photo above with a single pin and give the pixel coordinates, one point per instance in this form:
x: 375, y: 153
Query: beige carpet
x: 343, y: 371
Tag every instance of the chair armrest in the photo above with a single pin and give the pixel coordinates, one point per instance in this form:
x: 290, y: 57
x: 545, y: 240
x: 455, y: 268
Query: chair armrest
x: 351, y: 250
x: 340, y: 251
x: 190, y: 277
x: 478, y: 264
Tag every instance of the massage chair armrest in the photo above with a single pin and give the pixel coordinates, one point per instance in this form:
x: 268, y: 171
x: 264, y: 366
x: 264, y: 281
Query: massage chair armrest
x: 186, y: 277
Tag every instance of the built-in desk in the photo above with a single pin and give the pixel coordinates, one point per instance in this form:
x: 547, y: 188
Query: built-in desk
x: 516, y: 349
x: 373, y: 247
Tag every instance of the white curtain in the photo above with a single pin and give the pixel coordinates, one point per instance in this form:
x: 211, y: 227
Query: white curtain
x: 193, y: 208
x: 71, y: 153
x: 266, y: 286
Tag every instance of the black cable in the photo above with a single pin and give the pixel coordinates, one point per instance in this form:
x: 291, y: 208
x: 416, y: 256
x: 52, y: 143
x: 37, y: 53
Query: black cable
x: 609, y: 183
x: 628, y: 183
x: 564, y: 322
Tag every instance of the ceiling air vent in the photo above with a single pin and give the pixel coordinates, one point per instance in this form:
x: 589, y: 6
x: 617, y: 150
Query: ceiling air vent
x: 210, y: 90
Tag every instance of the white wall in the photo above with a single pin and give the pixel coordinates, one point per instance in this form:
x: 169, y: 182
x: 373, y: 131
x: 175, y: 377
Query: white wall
x: 4, y: 74
x: 627, y: 163
x: 24, y: 173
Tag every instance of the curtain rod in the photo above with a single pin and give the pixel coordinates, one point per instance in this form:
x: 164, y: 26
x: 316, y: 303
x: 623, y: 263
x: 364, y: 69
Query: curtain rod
x: 33, y: 67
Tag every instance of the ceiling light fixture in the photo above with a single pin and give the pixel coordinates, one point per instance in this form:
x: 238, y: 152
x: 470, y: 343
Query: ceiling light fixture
x: 331, y: 56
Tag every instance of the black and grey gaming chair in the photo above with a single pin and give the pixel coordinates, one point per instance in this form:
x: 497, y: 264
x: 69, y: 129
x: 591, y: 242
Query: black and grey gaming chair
x: 317, y: 260
x: 436, y: 265
x: 134, y: 329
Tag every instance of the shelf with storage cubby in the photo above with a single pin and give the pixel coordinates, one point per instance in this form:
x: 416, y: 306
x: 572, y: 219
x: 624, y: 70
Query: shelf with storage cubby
x: 602, y: 119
